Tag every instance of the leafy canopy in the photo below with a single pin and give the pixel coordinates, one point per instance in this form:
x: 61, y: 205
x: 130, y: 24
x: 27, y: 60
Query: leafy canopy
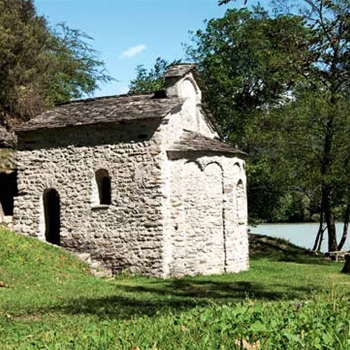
x: 247, y: 60
x: 150, y: 80
x: 40, y: 66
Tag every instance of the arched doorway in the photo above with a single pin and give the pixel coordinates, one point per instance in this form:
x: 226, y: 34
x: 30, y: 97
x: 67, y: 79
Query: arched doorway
x: 51, y: 200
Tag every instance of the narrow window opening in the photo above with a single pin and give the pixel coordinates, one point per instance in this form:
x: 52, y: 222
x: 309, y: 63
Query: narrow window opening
x: 103, y: 182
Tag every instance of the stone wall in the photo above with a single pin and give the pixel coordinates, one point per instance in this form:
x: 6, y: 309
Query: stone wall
x: 127, y: 234
x: 190, y: 117
x: 206, y: 202
x: 208, y: 213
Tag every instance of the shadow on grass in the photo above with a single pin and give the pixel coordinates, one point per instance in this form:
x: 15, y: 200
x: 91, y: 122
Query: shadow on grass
x: 147, y: 297
x: 159, y: 296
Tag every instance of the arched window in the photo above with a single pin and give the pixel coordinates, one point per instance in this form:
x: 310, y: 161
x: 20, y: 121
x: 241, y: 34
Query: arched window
x: 103, y: 182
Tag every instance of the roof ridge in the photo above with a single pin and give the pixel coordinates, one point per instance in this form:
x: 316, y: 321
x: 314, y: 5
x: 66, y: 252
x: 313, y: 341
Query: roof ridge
x: 179, y: 70
x: 112, y: 109
x: 91, y: 99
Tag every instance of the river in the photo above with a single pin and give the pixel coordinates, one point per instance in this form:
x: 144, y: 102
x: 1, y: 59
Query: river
x: 301, y: 234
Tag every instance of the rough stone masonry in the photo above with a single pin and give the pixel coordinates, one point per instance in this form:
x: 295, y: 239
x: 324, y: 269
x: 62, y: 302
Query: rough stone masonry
x: 140, y: 182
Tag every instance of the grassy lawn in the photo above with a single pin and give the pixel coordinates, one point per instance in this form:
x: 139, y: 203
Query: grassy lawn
x: 287, y: 300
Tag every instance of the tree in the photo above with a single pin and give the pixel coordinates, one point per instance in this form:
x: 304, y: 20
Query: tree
x: 291, y: 72
x: 23, y: 35
x: 279, y: 88
x: 242, y: 58
x: 327, y: 71
x: 74, y: 68
x: 150, y: 80
x: 39, y: 66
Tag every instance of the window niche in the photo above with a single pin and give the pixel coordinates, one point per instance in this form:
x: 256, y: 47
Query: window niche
x: 240, y: 202
x: 101, y: 189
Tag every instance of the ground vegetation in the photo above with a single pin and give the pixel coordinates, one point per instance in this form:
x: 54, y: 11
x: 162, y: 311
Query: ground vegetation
x: 288, y: 299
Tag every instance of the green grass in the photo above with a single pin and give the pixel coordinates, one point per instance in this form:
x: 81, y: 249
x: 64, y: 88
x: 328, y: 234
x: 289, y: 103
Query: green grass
x: 52, y: 302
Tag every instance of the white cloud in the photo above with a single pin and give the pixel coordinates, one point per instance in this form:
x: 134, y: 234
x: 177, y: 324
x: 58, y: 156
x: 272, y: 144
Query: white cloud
x: 132, y: 51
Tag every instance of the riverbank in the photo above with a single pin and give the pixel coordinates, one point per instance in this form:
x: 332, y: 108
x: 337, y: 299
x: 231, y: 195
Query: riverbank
x: 279, y: 249
x: 300, y: 234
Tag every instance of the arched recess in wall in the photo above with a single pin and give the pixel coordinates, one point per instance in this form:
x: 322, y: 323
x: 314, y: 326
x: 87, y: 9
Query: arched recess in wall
x: 191, y: 183
x: 103, y: 185
x: 189, y: 92
x: 52, y: 213
x: 197, y: 164
x: 240, y: 201
x: 198, y: 243
x: 188, y: 89
x: 236, y: 168
x: 214, y: 214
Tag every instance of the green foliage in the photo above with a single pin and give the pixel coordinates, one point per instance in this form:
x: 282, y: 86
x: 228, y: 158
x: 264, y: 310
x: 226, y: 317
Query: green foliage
x: 39, y: 66
x: 152, y: 80
x: 147, y: 81
x: 50, y: 301
x: 6, y: 159
x: 224, y: 2
x: 22, y: 62
x: 244, y: 60
x: 75, y: 69
x: 248, y: 62
x: 279, y: 87
x: 314, y: 125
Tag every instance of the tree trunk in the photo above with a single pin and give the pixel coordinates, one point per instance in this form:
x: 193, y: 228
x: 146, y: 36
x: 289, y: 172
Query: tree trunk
x: 346, y: 267
x: 319, y: 236
x: 326, y: 183
x: 345, y: 227
x: 332, y: 234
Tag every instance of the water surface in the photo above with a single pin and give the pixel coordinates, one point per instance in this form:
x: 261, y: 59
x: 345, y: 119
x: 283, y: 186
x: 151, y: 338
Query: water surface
x: 303, y: 234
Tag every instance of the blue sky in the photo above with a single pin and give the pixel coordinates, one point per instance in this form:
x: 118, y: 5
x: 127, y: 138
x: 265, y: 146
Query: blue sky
x: 131, y: 32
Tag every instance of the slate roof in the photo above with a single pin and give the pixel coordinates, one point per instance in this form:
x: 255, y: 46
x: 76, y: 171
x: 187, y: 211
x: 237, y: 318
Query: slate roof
x: 111, y: 109
x: 179, y: 70
x: 193, y: 141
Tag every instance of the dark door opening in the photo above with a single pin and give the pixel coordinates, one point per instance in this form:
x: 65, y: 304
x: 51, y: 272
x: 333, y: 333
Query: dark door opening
x: 52, y: 216
x: 8, y: 190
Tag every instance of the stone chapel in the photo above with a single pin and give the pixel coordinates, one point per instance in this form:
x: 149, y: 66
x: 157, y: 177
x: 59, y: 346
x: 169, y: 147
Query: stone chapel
x: 140, y: 182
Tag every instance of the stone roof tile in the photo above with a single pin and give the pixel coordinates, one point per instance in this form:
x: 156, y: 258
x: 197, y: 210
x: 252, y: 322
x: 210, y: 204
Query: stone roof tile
x: 193, y: 141
x: 179, y: 70
x: 103, y: 110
